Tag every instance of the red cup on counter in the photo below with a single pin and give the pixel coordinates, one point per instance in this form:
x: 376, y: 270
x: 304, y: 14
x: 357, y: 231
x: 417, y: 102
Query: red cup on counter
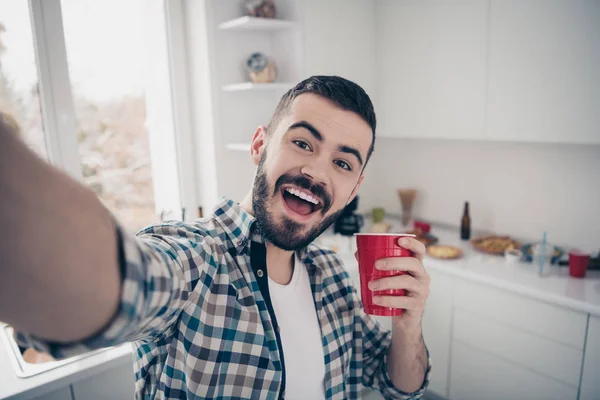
x: 578, y: 263
x: 421, y: 226
x: 372, y: 247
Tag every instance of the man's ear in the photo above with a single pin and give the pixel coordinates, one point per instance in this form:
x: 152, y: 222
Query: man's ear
x: 258, y: 144
x: 355, y: 191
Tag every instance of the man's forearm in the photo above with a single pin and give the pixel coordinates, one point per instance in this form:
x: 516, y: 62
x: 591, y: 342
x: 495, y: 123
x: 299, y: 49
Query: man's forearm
x: 407, y: 360
x: 59, y: 274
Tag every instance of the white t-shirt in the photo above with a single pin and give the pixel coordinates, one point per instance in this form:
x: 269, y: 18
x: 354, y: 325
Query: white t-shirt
x: 300, y: 336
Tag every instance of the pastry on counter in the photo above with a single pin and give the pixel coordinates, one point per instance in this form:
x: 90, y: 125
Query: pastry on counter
x: 495, y: 244
x: 444, y: 252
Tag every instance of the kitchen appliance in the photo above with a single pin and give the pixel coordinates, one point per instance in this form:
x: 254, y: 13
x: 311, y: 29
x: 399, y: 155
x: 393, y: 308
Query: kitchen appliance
x: 349, y: 223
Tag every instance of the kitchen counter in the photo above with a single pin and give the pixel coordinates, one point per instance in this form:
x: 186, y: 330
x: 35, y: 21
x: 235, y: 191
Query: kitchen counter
x: 13, y: 387
x: 522, y: 278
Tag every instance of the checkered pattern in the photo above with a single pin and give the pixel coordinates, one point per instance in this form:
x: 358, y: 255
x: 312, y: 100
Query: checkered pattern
x: 201, y: 327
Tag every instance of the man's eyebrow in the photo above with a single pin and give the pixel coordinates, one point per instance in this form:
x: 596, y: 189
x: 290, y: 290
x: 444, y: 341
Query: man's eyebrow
x: 351, y: 150
x: 315, y: 132
x: 308, y: 126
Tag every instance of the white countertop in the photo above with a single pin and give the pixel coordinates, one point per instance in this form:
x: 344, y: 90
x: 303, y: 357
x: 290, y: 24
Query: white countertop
x: 581, y: 294
x: 13, y: 387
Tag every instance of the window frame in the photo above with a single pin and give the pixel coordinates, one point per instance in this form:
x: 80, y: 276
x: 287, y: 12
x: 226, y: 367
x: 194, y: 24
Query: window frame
x: 58, y: 112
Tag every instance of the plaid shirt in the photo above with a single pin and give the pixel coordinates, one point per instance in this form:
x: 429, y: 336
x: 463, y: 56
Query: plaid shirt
x: 202, y: 327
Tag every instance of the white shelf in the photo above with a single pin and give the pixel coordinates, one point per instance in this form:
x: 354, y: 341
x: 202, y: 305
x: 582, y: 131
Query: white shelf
x: 258, y: 24
x: 238, y: 146
x: 235, y: 87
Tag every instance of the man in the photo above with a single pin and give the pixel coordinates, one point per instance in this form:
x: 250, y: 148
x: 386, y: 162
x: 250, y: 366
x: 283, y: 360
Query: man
x: 238, y: 305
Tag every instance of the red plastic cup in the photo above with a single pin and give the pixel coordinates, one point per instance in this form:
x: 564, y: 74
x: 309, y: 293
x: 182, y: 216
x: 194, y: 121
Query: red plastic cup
x: 424, y: 227
x: 372, y: 247
x: 578, y: 263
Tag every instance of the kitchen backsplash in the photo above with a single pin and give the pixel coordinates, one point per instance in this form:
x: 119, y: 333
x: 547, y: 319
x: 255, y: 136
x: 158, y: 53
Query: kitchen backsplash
x: 520, y: 189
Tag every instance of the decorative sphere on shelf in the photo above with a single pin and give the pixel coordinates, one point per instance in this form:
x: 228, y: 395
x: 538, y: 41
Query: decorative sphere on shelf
x: 260, y: 68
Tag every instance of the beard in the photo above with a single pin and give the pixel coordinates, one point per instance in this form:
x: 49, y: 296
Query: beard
x: 288, y: 234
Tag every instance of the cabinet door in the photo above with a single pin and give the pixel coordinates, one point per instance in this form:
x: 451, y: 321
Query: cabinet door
x: 60, y: 394
x: 116, y: 383
x: 536, y: 353
x: 436, y: 329
x: 342, y: 47
x: 590, y: 385
x: 430, y: 68
x: 543, y: 77
x: 477, y: 375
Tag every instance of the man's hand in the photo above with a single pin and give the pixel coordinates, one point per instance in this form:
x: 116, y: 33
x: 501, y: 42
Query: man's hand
x: 415, y: 282
x: 407, y: 356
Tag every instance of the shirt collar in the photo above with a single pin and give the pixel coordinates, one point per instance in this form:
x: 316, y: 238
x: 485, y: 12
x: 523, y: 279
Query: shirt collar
x: 236, y: 222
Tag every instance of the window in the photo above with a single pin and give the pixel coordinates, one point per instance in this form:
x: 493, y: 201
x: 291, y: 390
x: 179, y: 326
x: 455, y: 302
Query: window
x: 97, y: 76
x: 105, y: 52
x: 19, y: 95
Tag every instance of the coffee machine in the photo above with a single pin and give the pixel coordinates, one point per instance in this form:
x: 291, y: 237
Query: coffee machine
x: 349, y: 223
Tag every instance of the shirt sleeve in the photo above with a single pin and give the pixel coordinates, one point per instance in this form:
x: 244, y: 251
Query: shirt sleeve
x: 160, y: 268
x: 375, y: 342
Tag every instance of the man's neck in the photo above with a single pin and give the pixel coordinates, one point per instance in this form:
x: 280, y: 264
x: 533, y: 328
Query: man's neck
x: 280, y: 263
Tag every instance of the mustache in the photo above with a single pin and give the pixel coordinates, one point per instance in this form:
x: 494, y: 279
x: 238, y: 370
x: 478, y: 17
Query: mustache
x: 306, y: 184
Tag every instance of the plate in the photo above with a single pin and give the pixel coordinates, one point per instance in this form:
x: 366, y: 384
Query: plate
x: 527, y: 253
x: 495, y: 245
x: 444, y: 252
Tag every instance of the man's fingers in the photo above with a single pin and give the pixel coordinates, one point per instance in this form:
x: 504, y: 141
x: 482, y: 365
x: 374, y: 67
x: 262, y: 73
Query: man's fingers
x: 397, y: 282
x: 412, y: 244
x: 409, y: 264
x: 405, y: 302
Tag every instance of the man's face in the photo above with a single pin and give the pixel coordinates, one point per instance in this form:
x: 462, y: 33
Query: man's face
x: 309, y: 168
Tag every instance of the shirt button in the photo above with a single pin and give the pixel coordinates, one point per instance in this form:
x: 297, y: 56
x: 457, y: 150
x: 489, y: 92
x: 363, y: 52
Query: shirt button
x: 241, y: 241
x: 278, y: 329
x: 260, y: 273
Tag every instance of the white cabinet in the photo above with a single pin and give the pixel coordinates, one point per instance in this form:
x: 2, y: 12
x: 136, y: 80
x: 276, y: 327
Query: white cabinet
x: 339, y: 39
x: 116, y: 383
x: 544, y: 58
x: 60, y: 394
x: 541, y: 319
x: 590, y: 384
x: 437, y: 323
x: 477, y: 374
x: 431, y: 68
x: 536, y: 353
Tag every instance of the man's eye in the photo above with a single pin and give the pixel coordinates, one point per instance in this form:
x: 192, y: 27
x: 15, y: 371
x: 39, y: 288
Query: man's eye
x: 343, y: 164
x: 302, y: 144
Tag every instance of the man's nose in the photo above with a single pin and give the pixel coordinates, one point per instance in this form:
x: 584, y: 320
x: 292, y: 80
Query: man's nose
x: 316, y: 171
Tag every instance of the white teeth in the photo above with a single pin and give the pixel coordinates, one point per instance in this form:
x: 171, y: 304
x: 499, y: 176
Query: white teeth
x: 303, y: 195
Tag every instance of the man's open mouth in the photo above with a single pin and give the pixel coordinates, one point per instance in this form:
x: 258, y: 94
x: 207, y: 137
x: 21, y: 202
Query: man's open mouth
x: 301, y: 201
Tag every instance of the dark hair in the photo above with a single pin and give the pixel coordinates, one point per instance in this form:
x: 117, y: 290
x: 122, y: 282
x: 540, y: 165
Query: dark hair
x: 344, y: 93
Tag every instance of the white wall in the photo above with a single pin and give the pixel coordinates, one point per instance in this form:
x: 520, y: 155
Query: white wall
x: 519, y: 189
